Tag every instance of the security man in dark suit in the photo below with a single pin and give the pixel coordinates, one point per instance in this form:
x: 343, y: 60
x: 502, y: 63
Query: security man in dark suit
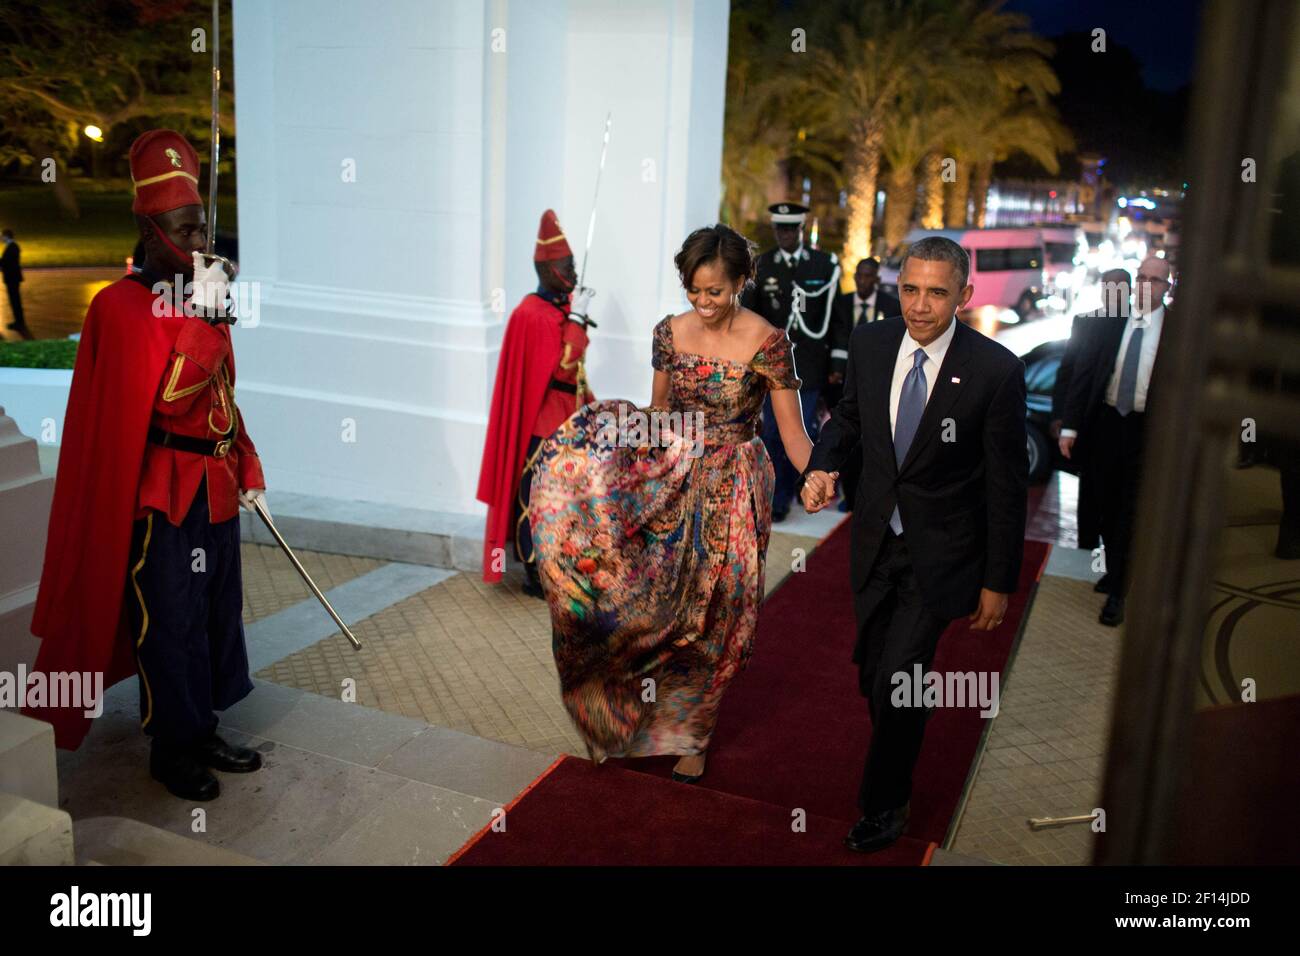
x: 795, y: 290
x: 1105, y: 411
x: 11, y: 269
x: 1116, y: 291
x: 867, y: 303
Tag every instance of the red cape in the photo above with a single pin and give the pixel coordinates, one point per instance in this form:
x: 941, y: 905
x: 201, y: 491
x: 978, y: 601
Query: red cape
x: 79, y: 610
x: 530, y: 353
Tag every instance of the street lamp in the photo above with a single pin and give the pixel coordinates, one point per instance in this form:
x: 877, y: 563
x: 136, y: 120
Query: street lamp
x: 95, y: 133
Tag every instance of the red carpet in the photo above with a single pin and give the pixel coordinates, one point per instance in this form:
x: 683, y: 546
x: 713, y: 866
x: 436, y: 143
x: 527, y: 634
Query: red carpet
x: 792, y: 736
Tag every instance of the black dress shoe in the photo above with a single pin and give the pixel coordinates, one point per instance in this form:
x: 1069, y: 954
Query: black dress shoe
x: 875, y: 831
x: 1103, y: 584
x: 533, y: 582
x: 219, y: 755
x: 687, y: 777
x: 182, y: 774
x: 1112, y: 615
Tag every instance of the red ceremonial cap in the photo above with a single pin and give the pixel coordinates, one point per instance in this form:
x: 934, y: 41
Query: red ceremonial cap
x: 551, y: 243
x: 164, y: 172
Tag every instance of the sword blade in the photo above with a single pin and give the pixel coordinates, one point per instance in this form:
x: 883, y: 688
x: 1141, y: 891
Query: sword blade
x: 591, y: 223
x: 320, y: 596
x: 216, y: 128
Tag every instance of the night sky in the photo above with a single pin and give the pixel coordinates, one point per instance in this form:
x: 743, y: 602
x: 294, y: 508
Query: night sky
x: 1161, y: 33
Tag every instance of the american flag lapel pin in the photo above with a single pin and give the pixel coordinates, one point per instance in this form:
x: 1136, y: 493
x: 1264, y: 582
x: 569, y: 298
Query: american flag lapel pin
x: 956, y: 380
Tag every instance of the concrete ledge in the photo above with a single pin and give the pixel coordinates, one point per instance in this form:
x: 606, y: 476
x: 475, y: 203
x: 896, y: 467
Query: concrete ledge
x: 370, y: 530
x: 117, y: 841
x: 32, y: 834
x: 28, y: 768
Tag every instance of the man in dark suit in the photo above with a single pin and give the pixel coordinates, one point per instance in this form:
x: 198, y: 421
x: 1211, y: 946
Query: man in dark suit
x: 1103, y: 422
x: 11, y: 268
x: 794, y: 288
x: 866, y: 303
x: 936, y: 412
x: 1116, y: 290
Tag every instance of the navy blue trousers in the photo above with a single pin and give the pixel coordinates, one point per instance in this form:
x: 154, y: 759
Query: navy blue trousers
x: 184, y: 605
x: 786, y: 476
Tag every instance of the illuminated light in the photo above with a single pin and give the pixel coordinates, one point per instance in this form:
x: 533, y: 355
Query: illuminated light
x: 1122, y: 202
x: 1052, y: 193
x: 95, y: 133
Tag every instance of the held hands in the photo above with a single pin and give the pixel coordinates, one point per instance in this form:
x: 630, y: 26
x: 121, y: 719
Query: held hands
x: 992, y: 609
x: 250, y: 495
x: 818, y: 490
x: 211, y: 285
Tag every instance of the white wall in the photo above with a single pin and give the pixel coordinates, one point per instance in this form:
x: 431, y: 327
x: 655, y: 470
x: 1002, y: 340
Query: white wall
x: 377, y: 295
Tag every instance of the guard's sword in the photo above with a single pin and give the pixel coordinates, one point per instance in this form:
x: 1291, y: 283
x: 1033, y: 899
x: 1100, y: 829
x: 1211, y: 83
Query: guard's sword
x: 591, y: 223
x: 320, y: 596
x: 215, y: 158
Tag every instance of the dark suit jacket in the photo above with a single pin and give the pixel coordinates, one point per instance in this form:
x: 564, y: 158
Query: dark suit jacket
x: 962, y: 502
x: 11, y: 265
x: 843, y: 320
x: 1093, y: 366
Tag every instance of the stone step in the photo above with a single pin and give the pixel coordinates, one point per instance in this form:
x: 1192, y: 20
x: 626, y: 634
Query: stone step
x: 371, y: 530
x: 118, y: 841
x: 28, y: 768
x: 33, y: 834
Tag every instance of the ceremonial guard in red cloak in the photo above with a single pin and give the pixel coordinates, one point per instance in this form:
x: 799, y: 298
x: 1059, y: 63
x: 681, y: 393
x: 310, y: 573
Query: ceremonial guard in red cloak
x: 540, y: 383
x: 142, y: 566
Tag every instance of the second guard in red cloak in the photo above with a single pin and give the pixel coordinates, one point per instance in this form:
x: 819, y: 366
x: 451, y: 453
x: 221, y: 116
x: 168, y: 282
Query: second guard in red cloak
x: 540, y: 382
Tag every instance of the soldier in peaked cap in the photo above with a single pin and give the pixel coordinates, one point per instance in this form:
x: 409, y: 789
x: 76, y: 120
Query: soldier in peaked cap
x: 795, y: 290
x: 142, y: 571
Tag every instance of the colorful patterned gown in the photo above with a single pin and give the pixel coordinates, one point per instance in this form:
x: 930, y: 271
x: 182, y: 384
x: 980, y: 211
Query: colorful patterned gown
x: 651, y: 527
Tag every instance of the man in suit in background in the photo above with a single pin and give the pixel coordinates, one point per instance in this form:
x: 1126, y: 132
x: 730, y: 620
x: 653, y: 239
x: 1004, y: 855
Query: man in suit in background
x: 11, y: 268
x: 866, y: 303
x: 1116, y: 290
x: 794, y: 289
x: 1105, y: 412
x: 936, y: 412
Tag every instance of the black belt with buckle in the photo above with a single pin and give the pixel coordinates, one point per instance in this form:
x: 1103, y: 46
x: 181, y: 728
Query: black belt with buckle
x: 569, y: 387
x: 198, y: 446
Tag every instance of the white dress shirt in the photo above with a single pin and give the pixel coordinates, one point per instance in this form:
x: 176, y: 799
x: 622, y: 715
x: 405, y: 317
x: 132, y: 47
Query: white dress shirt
x: 1146, y: 361
x: 791, y: 258
x: 871, y: 307
x: 934, y: 353
x: 1152, y: 323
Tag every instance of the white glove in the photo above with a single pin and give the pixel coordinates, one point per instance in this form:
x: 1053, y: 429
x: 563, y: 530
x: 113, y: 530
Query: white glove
x: 246, y: 499
x: 580, y: 302
x: 210, y: 286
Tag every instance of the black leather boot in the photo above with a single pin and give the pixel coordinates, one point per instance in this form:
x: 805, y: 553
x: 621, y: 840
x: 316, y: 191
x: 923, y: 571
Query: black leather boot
x: 176, y: 768
x: 533, y: 581
x: 219, y: 755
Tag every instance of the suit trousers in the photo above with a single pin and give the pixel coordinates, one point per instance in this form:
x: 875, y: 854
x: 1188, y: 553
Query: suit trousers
x: 1118, y: 452
x: 895, y: 632
x: 785, y: 473
x: 184, y: 605
x: 15, y: 294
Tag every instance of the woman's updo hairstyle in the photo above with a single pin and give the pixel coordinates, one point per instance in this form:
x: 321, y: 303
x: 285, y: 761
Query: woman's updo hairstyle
x: 716, y: 243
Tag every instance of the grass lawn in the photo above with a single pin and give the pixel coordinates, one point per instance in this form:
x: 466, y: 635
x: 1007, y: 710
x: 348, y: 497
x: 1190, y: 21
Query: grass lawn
x: 42, y: 353
x: 103, y: 236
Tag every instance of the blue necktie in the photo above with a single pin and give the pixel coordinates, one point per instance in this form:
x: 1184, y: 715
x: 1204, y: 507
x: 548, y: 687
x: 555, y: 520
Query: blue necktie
x: 1126, y: 397
x: 911, y: 403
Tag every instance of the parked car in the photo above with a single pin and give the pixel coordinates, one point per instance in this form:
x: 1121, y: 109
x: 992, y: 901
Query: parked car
x: 1041, y: 366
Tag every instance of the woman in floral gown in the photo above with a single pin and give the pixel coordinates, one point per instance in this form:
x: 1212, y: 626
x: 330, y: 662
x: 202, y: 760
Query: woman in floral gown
x: 651, y: 525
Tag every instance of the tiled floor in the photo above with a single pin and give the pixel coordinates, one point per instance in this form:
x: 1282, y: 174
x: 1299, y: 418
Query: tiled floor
x: 272, y: 584
x: 469, y: 656
x: 1045, y: 748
